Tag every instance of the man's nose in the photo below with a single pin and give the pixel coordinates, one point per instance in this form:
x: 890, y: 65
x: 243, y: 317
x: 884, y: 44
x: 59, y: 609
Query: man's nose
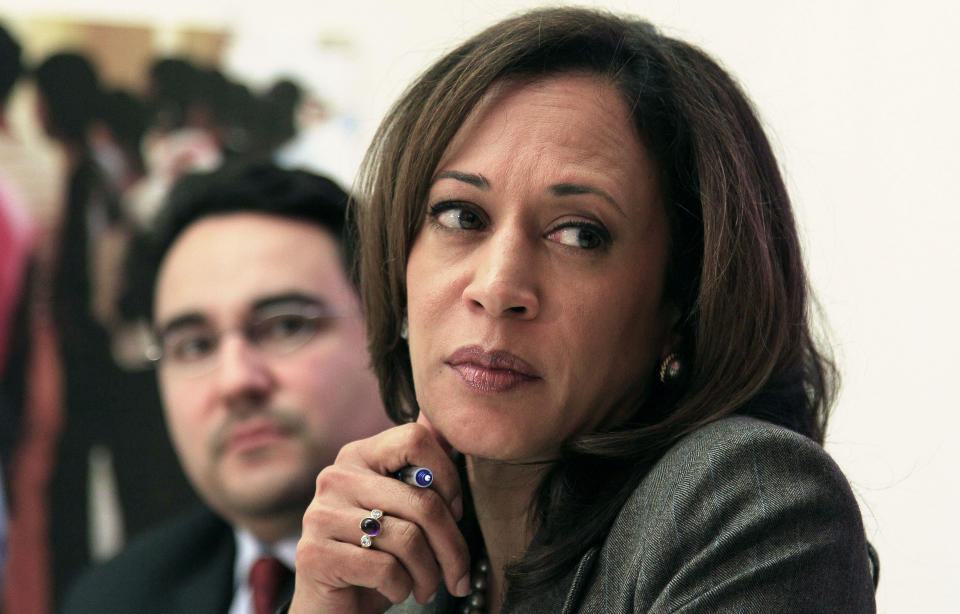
x: 504, y: 278
x: 243, y: 374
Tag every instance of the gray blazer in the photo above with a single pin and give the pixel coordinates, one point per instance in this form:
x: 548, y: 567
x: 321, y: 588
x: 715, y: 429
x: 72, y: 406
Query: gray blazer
x: 739, y: 516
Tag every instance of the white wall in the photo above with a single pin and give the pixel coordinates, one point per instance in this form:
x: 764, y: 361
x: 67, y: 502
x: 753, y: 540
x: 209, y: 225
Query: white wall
x: 860, y: 99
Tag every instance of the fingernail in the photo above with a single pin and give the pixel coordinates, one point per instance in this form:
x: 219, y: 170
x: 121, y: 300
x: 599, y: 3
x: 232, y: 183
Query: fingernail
x: 463, y: 586
x: 432, y: 597
x: 457, y: 506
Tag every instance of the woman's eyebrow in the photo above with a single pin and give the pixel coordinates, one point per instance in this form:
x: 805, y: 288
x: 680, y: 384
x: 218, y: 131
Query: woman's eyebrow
x: 572, y: 189
x: 560, y: 189
x: 475, y: 179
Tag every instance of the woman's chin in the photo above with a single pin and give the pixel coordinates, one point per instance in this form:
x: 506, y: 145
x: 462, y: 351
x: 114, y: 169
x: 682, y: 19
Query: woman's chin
x: 503, y: 430
x: 495, y: 445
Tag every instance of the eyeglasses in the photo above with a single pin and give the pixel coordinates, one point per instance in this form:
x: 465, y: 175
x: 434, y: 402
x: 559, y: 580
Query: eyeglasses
x: 193, y: 349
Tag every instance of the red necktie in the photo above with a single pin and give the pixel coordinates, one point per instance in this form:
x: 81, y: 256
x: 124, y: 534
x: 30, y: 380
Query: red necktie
x: 266, y: 579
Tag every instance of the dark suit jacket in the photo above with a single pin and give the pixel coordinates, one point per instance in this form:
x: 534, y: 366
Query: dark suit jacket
x: 184, y: 567
x: 739, y: 516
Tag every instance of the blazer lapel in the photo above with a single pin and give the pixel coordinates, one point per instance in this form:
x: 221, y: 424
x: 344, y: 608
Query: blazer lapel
x: 565, y: 596
x: 286, y: 591
x: 581, y: 580
x: 209, y: 587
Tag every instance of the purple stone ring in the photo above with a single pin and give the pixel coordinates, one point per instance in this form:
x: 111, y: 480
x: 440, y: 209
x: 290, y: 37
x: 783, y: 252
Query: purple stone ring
x: 370, y: 527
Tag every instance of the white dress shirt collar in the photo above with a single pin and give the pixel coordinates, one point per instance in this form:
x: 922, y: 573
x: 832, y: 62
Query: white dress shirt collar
x: 249, y: 549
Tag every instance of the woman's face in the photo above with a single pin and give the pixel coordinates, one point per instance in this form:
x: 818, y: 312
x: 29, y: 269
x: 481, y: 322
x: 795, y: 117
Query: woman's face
x: 535, y: 286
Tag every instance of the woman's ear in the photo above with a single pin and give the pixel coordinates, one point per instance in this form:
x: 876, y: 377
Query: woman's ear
x: 672, y: 359
x: 672, y: 339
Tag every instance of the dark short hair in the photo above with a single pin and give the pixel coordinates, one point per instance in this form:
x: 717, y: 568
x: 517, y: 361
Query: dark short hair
x: 125, y: 114
x: 70, y: 89
x: 175, y: 84
x: 735, y: 271
x: 11, y: 66
x: 251, y: 188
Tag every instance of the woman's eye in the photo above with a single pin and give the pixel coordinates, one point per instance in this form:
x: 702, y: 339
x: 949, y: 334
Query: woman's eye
x: 452, y: 216
x: 584, y: 237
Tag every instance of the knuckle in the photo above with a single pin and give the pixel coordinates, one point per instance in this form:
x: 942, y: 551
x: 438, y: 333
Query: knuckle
x: 415, y: 436
x: 396, y: 583
x: 329, y: 480
x: 317, y: 515
x: 311, y: 552
x: 407, y: 534
x: 429, y: 503
x: 347, y: 451
x: 380, y: 566
x: 385, y: 567
x: 306, y: 552
x: 323, y: 480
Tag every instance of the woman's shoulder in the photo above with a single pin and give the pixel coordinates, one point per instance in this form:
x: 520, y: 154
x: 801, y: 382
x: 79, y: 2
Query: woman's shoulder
x: 735, y: 433
x: 751, y: 450
x: 740, y: 513
x: 740, y: 467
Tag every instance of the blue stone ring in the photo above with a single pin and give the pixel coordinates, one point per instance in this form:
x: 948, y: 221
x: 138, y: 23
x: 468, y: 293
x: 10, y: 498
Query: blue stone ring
x: 370, y: 527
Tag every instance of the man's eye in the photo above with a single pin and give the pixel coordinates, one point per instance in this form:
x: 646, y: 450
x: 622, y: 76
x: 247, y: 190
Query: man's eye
x: 283, y: 326
x: 279, y: 331
x: 582, y: 236
x: 190, y: 348
x: 457, y: 217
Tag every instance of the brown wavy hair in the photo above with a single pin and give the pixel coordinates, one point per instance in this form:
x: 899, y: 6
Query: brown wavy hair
x: 735, y: 270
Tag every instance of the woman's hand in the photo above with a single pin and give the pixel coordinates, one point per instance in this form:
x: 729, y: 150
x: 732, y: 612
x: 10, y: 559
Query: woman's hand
x: 419, y: 543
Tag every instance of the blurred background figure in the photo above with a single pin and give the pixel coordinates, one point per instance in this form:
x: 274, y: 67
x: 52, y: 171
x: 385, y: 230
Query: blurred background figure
x: 16, y: 241
x: 281, y: 105
x: 86, y: 461
x: 115, y: 136
x: 183, y: 134
x: 22, y: 167
x: 112, y: 433
x: 17, y: 236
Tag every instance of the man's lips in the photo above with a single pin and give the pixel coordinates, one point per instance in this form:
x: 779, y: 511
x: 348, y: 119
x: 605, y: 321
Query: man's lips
x: 244, y: 438
x: 491, y: 371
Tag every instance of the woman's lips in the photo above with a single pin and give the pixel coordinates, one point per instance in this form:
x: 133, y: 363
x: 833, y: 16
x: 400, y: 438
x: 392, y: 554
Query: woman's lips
x: 491, y: 372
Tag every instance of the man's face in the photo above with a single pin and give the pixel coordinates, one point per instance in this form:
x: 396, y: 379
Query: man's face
x: 265, y: 370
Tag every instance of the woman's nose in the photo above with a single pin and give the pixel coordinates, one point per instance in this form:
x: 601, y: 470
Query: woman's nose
x: 504, y: 278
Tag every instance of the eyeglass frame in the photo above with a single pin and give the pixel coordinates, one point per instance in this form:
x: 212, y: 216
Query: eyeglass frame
x: 155, y: 353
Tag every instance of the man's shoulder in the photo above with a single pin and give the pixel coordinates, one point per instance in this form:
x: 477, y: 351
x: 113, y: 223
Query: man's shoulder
x: 155, y: 564
x: 180, y: 538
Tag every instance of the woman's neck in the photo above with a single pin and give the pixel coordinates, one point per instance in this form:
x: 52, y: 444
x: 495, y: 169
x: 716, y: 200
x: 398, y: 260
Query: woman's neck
x: 502, y: 496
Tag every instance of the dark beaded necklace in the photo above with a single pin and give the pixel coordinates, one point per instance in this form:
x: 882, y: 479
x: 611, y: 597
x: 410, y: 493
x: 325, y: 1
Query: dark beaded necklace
x: 476, y: 601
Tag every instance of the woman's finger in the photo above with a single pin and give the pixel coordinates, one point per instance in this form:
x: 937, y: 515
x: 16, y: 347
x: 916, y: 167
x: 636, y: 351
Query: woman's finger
x: 402, y: 446
x: 340, y: 568
x: 403, y: 539
x: 444, y: 444
x: 426, y: 532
